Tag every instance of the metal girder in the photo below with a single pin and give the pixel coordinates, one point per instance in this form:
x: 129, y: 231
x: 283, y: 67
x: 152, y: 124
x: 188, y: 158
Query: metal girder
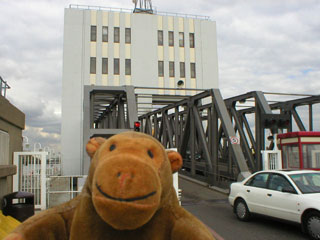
x: 202, y: 138
x: 230, y: 133
x: 298, y: 120
x: 262, y: 103
x: 216, y: 138
x: 244, y: 141
x: 148, y: 127
x: 310, y: 118
x: 198, y: 147
x: 107, y: 111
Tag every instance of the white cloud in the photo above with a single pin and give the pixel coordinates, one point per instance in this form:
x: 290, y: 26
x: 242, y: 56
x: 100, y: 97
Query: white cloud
x: 265, y: 45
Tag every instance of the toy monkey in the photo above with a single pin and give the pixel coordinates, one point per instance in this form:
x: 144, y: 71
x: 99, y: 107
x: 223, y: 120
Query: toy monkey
x: 128, y: 195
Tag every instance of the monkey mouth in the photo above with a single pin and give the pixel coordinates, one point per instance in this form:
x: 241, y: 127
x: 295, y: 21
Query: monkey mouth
x: 125, y: 199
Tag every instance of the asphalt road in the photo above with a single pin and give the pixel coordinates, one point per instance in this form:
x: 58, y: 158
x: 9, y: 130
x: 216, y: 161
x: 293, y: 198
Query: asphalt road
x: 214, y: 210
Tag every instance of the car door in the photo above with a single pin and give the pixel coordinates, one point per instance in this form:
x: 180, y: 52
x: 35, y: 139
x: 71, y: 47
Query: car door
x: 255, y: 192
x: 280, y: 204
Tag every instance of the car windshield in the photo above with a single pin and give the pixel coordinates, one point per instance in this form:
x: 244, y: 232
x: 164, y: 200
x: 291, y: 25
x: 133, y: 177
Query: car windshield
x: 307, y: 182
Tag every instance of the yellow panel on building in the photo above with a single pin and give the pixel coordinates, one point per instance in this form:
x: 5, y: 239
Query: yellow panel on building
x: 105, y: 18
x: 116, y: 19
x: 181, y: 24
x: 160, y: 23
x: 128, y: 80
x: 161, y: 82
x: 181, y: 54
x: 128, y: 51
x: 92, y: 79
x: 104, y: 49
x: 161, y: 85
x: 192, y: 55
x: 93, y: 17
x: 193, y: 83
x: 172, y: 85
x: 171, y: 54
x: 127, y: 20
x: 181, y: 92
x: 93, y: 49
x: 116, y: 80
x: 160, y: 53
x: 191, y: 25
x: 104, y: 79
x: 116, y: 50
x: 170, y: 23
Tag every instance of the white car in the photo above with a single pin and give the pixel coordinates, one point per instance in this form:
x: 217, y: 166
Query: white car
x: 292, y: 195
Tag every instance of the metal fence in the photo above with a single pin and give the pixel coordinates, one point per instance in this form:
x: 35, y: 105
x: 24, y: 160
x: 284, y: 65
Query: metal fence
x: 126, y: 10
x: 3, y: 87
x: 61, y: 189
x: 35, y: 175
x: 271, y: 159
x: 31, y: 175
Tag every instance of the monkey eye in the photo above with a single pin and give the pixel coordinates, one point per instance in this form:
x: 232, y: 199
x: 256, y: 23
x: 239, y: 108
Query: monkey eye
x: 150, y: 153
x: 112, y: 147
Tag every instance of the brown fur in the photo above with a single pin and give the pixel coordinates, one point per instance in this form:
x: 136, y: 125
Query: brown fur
x: 128, y: 195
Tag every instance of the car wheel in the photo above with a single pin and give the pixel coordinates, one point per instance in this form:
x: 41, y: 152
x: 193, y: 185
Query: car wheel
x: 312, y: 225
x: 241, y: 210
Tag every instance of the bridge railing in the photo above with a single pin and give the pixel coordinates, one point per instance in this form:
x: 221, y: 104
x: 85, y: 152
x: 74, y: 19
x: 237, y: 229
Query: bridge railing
x: 3, y: 87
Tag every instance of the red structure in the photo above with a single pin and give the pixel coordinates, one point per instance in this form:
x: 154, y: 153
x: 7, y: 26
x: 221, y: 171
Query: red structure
x: 300, y: 150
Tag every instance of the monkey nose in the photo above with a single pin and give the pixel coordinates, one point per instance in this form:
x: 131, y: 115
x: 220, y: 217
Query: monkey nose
x: 124, y: 177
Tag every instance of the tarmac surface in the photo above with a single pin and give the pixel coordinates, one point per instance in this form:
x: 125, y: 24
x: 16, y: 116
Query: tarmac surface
x: 214, y: 210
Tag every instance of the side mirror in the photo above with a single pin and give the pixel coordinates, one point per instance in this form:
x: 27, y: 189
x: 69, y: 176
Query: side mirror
x: 289, y: 189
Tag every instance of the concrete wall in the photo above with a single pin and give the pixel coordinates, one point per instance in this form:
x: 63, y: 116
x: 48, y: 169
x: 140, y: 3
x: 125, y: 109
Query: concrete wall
x: 12, y: 122
x: 74, y: 69
x: 144, y: 53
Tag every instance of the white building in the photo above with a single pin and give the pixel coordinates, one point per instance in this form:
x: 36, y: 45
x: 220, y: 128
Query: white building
x: 115, y: 47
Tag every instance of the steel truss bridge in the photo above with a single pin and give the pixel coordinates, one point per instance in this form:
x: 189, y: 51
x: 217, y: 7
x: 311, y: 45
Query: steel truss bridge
x: 220, y: 139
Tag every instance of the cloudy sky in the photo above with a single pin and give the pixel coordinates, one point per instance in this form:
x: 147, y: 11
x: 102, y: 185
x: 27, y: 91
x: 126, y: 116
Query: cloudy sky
x: 267, y: 45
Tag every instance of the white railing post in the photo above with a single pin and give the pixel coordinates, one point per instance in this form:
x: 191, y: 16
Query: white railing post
x: 15, y: 179
x: 43, y: 177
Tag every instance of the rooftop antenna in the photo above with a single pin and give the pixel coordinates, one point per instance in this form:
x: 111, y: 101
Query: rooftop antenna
x: 142, y: 6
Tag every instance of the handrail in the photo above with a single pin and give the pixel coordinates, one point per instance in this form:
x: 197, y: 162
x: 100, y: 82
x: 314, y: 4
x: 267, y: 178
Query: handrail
x: 126, y: 10
x: 3, y: 87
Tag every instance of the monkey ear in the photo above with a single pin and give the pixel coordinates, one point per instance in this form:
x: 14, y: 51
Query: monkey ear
x: 93, y: 145
x: 175, y: 160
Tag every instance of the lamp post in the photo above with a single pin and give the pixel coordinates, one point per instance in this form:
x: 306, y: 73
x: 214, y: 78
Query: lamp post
x: 34, y: 147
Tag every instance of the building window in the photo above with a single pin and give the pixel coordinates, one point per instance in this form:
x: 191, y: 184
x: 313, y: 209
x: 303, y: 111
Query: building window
x: 193, y: 70
x: 116, y: 36
x: 93, y: 37
x: 104, y: 65
x: 128, y: 66
x: 160, y: 38
x: 116, y: 66
x: 171, y: 69
x: 160, y: 69
x: 128, y: 35
x: 171, y: 38
x: 93, y: 65
x: 191, y: 38
x: 104, y: 34
x: 181, y: 39
x: 182, y: 70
